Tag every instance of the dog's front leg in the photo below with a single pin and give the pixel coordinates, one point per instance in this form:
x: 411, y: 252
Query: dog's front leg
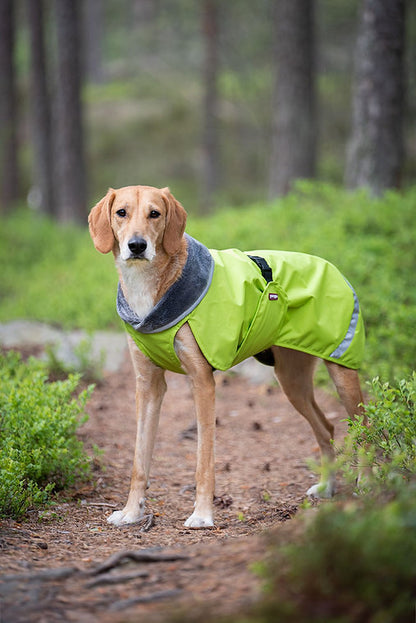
x: 202, y: 378
x: 204, y: 395
x: 150, y: 389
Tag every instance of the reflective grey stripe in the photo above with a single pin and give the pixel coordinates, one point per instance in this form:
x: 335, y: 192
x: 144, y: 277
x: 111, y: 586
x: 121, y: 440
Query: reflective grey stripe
x: 349, y: 336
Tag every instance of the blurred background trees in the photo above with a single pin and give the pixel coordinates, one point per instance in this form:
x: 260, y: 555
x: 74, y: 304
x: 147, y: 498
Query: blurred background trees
x: 40, y: 109
x: 375, y: 154
x: 226, y: 102
x: 9, y: 177
x: 210, y: 139
x: 69, y: 154
x: 294, y: 122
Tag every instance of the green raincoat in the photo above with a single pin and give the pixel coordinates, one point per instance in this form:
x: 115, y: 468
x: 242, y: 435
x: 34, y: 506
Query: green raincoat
x: 308, y: 306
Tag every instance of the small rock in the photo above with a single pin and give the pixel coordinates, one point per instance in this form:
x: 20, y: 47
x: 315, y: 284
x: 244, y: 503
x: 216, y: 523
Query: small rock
x: 42, y: 545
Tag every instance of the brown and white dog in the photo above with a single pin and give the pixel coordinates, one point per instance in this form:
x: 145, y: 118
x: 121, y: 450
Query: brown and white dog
x: 144, y: 228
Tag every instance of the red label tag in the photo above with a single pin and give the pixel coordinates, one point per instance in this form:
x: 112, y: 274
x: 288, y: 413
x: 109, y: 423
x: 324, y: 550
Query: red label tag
x: 273, y: 296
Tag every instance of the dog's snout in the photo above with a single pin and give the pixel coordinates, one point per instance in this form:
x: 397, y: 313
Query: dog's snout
x: 137, y: 245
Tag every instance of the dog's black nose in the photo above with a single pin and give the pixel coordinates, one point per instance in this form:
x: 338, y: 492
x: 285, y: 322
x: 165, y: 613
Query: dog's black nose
x: 137, y: 245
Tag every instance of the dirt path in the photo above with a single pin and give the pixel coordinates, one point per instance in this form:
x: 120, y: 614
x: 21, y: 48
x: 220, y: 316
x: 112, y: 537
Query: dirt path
x: 48, y: 564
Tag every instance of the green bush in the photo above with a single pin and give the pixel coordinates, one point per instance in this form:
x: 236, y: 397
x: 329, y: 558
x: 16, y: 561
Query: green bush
x: 39, y: 450
x: 386, y: 446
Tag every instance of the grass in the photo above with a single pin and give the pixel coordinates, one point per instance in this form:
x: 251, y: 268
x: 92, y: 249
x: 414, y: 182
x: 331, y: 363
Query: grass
x: 53, y: 274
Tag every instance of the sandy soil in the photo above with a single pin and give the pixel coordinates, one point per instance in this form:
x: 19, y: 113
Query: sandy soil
x: 49, y: 563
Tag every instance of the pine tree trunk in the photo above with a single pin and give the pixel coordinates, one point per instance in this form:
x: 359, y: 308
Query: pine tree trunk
x: 40, y: 110
x: 375, y: 151
x: 210, y: 146
x: 93, y: 40
x: 71, y: 186
x: 293, y: 150
x: 9, y: 173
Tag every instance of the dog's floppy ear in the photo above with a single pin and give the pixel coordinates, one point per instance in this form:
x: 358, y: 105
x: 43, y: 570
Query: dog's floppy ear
x: 175, y: 223
x: 99, y: 222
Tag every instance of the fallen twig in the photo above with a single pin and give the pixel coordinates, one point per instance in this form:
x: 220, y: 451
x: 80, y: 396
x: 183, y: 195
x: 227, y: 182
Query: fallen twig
x: 116, y: 579
x: 127, y: 603
x: 45, y: 575
x: 100, y: 504
x: 137, y: 556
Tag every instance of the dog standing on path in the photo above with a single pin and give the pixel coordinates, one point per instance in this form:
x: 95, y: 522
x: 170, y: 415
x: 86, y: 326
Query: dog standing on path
x: 194, y: 310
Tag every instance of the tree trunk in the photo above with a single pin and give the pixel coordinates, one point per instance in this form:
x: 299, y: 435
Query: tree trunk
x: 9, y: 173
x: 93, y: 40
x: 375, y: 151
x: 293, y: 150
x: 71, y: 187
x: 40, y: 110
x: 210, y: 145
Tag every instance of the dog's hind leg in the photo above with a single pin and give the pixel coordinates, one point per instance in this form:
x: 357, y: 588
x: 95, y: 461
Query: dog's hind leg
x: 348, y: 387
x: 294, y: 371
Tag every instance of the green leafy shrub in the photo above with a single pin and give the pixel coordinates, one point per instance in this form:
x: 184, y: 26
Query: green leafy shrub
x: 39, y: 450
x: 386, y: 447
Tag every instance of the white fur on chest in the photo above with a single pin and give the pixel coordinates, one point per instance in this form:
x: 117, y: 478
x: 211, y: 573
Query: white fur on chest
x: 139, y: 286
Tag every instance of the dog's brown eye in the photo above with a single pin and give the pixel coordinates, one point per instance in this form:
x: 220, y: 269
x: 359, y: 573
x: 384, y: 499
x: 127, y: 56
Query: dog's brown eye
x: 121, y: 213
x: 154, y: 214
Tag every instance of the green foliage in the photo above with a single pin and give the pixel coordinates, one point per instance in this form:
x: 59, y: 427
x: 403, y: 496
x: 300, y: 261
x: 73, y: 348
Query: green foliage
x: 53, y: 274
x: 386, y: 447
x: 39, y: 450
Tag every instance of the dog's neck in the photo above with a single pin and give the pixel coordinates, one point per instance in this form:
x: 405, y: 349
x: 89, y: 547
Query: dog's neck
x: 137, y: 281
x: 145, y: 282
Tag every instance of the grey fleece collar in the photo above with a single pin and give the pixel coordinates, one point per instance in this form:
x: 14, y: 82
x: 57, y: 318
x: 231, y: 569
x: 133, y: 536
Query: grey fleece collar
x: 181, y: 298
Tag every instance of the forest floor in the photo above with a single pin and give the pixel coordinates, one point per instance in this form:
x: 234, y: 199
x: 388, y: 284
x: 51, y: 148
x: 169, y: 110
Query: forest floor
x: 51, y: 562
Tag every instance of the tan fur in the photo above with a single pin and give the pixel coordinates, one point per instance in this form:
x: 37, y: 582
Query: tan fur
x: 99, y: 222
x: 151, y: 277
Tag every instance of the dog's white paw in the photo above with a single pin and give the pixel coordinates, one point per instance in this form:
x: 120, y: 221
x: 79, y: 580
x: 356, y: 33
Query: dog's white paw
x: 194, y: 521
x: 122, y: 518
x: 323, y: 490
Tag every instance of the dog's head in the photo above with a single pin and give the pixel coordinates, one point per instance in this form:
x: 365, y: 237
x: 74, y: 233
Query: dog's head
x: 137, y: 222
